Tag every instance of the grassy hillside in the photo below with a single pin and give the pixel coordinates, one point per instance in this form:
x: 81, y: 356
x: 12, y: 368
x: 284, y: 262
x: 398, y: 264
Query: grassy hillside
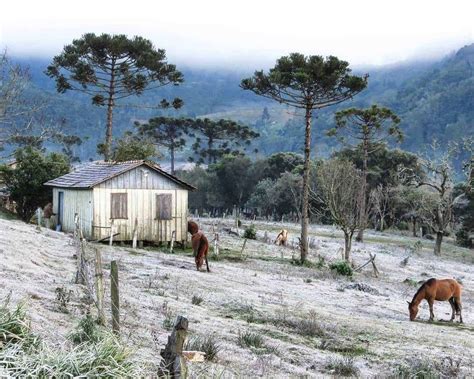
x: 262, y: 315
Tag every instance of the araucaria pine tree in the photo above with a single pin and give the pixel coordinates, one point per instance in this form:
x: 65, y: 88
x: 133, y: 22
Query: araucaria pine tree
x: 309, y: 83
x: 110, y: 68
x: 366, y: 129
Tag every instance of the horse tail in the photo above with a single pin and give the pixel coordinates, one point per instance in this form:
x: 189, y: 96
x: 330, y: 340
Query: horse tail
x: 457, y: 305
x: 203, y: 246
x: 201, y: 251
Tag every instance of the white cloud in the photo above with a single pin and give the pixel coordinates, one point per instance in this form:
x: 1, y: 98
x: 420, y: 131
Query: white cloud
x: 248, y: 32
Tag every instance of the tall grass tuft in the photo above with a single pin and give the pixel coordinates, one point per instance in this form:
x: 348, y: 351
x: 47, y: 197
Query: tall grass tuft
x: 208, y: 345
x: 22, y: 354
x: 14, y: 325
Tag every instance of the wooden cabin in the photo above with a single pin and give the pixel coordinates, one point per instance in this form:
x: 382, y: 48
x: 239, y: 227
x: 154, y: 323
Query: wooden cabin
x: 122, y: 194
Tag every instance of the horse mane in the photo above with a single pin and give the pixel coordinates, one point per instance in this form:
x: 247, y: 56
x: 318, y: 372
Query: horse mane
x: 418, y: 292
x: 422, y: 287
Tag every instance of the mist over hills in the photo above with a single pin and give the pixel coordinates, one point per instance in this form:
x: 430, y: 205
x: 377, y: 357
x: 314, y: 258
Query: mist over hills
x: 434, y: 100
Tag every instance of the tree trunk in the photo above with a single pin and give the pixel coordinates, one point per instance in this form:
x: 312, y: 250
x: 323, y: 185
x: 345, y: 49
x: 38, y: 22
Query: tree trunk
x: 362, y: 211
x: 347, y: 246
x: 110, y: 109
x: 305, y: 198
x: 413, y: 220
x: 172, y: 159
x: 439, y: 239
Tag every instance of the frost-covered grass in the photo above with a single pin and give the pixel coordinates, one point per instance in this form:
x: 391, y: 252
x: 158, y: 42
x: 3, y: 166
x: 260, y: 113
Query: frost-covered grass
x: 305, y: 315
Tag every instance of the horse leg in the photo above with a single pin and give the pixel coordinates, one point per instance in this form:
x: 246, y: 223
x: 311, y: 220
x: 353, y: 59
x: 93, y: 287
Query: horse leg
x: 430, y: 303
x: 457, y: 302
x: 453, y: 308
x: 207, y: 264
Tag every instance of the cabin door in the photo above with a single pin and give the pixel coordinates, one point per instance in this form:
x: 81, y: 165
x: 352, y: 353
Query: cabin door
x: 60, y: 207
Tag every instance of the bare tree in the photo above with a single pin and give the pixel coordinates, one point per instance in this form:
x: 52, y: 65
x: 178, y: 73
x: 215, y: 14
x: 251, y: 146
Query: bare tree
x: 380, y: 197
x: 341, y: 190
x: 438, y: 180
x: 13, y: 81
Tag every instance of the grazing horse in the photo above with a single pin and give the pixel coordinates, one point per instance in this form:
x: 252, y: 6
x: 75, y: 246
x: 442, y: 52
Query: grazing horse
x: 282, y: 237
x: 200, y: 245
x: 440, y: 290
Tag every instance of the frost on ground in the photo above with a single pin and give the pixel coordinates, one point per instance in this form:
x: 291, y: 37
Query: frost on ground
x: 269, y: 316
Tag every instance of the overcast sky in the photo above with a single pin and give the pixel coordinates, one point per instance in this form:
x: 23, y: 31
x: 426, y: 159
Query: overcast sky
x: 248, y: 32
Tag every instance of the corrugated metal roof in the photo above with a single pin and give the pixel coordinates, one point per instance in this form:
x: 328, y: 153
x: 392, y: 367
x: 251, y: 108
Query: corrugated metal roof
x: 94, y: 173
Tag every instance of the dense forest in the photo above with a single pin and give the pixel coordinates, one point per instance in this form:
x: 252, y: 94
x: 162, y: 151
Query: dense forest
x: 432, y: 99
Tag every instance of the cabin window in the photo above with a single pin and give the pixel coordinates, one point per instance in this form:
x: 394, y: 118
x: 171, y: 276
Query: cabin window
x: 118, y: 205
x: 163, y: 206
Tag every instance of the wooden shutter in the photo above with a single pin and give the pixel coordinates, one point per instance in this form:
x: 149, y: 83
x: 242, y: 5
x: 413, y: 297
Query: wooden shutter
x: 118, y: 206
x: 164, y: 206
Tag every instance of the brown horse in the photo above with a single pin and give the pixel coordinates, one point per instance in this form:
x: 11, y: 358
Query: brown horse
x: 200, y: 245
x: 282, y: 238
x: 440, y: 290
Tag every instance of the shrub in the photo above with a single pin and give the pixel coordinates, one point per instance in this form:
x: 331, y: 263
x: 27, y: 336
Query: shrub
x: 63, y: 297
x: 342, y: 268
x: 250, y: 232
x: 462, y: 238
x: 342, y: 366
x: 403, y: 225
x: 197, y: 300
x: 207, y: 344
x: 250, y: 339
x: 415, y: 369
x: 86, y: 331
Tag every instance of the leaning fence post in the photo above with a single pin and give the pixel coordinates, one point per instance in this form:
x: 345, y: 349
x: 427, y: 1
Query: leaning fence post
x: 111, y: 241
x: 99, y: 280
x: 243, y: 248
x: 114, y: 294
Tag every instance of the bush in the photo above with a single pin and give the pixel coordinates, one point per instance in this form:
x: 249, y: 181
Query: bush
x: 197, y: 300
x: 462, y: 238
x: 342, y: 268
x: 86, y: 331
x: 25, y: 181
x: 250, y: 339
x: 208, y: 345
x: 342, y: 366
x: 403, y: 225
x: 416, y: 369
x: 250, y: 232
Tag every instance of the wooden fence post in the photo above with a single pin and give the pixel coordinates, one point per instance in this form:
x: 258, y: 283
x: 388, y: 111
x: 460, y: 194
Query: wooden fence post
x: 173, y: 236
x: 111, y: 240
x: 135, y: 234
x: 174, y: 363
x: 114, y: 294
x: 99, y: 280
x: 38, y: 214
x: 216, y: 244
x: 243, y: 248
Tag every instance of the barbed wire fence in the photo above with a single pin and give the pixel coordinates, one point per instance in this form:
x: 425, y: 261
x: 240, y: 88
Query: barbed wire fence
x: 90, y: 274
